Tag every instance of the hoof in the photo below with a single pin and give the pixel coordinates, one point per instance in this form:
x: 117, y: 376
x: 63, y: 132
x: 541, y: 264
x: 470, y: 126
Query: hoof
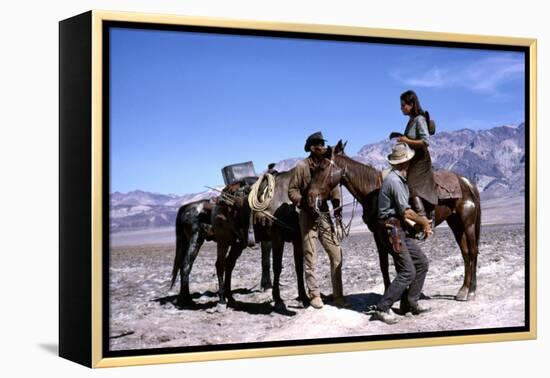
x: 462, y: 295
x: 221, y: 307
x: 471, y: 296
x: 280, y: 307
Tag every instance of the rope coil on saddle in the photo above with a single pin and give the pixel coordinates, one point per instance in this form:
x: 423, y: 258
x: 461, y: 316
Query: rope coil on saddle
x: 261, y: 201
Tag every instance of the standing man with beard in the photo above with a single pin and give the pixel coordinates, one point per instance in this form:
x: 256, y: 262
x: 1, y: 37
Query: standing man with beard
x: 317, y: 228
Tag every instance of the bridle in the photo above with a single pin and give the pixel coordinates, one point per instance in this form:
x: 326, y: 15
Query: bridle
x: 330, y: 174
x: 317, y: 208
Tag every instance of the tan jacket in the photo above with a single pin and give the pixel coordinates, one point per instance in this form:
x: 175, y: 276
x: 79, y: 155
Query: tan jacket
x: 299, y: 182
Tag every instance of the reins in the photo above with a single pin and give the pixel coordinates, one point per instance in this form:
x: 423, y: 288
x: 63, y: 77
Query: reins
x: 346, y: 229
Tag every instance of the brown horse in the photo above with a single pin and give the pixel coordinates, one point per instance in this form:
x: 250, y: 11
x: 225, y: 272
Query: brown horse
x: 363, y: 182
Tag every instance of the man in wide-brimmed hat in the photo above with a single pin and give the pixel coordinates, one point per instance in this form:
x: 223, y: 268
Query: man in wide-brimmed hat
x: 410, y: 262
x: 317, y: 228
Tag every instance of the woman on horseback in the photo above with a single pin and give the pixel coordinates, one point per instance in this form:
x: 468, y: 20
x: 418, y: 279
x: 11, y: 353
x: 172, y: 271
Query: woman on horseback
x: 420, y: 175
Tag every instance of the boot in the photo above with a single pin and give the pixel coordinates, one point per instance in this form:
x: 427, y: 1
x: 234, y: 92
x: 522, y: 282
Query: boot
x: 419, y: 309
x: 387, y: 316
x: 316, y: 302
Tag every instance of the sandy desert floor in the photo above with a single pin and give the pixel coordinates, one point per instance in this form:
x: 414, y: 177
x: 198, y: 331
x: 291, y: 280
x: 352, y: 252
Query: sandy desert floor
x: 142, y: 313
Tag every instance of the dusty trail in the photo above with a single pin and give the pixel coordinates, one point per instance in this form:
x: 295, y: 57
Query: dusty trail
x: 140, y: 279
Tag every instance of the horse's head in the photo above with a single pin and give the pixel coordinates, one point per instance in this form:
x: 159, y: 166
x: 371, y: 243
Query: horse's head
x: 325, y: 176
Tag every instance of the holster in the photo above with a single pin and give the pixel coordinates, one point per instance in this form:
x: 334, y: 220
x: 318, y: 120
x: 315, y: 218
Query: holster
x: 392, y: 228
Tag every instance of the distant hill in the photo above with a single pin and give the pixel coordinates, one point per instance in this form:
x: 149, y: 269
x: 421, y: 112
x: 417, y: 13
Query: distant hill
x: 494, y: 159
x: 139, y: 209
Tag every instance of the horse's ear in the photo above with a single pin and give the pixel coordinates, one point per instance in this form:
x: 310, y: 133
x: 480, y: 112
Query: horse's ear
x: 340, y: 147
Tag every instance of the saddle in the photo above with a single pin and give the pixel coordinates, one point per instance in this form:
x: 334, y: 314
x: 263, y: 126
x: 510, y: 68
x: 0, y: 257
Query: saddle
x: 447, y: 185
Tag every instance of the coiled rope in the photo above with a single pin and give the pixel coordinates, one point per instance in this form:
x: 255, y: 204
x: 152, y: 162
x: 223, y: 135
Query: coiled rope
x: 261, y: 201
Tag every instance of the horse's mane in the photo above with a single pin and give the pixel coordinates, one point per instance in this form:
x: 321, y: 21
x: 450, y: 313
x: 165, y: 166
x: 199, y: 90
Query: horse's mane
x: 361, y: 176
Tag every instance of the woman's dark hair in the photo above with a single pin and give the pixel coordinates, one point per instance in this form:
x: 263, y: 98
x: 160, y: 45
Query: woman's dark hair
x: 410, y: 98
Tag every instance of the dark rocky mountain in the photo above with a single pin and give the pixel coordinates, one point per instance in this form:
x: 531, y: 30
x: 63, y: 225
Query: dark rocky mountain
x: 494, y: 159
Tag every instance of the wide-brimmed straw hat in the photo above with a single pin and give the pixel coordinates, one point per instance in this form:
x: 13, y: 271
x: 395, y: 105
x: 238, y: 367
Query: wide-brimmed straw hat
x: 400, y: 153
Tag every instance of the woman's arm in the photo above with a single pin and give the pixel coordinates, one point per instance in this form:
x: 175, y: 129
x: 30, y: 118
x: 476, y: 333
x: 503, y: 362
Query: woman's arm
x: 422, y: 139
x: 415, y: 144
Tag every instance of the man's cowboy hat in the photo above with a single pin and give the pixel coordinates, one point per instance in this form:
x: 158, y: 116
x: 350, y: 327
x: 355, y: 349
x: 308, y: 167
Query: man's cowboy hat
x: 315, y: 137
x: 400, y: 153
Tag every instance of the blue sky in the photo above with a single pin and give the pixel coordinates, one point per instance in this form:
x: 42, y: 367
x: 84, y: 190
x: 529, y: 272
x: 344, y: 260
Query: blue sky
x: 183, y: 105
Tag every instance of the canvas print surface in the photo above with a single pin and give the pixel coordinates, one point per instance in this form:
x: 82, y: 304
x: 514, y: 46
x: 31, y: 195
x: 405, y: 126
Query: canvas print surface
x: 184, y: 105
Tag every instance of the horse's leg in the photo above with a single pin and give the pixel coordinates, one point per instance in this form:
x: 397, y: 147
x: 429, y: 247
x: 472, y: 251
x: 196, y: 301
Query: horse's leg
x: 473, y: 250
x: 194, y: 247
x: 299, y: 266
x: 471, y: 217
x: 266, y: 265
x: 180, y: 263
x: 234, y: 253
x: 184, y: 296
x: 457, y: 226
x: 220, y: 270
x: 278, y: 246
x: 473, y: 238
x: 383, y: 257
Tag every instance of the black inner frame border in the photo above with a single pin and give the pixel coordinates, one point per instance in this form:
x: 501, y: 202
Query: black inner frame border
x: 107, y: 25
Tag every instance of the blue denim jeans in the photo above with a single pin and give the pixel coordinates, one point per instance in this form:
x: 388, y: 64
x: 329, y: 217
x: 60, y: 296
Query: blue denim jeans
x: 412, y: 266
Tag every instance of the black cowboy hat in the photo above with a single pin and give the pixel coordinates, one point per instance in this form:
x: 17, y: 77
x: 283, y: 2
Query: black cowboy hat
x: 315, y: 137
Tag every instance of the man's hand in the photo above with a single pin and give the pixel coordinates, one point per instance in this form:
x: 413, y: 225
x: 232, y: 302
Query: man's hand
x: 427, y: 229
x: 426, y: 226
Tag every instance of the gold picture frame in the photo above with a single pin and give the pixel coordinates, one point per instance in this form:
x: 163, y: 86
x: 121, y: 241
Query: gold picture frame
x: 82, y: 193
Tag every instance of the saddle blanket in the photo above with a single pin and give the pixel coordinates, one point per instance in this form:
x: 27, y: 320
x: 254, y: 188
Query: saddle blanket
x: 447, y: 184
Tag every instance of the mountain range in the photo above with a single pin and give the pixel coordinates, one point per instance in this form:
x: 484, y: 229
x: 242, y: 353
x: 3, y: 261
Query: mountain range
x: 493, y: 158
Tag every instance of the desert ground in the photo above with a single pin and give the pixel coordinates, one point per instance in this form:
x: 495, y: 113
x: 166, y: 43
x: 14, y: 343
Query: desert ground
x: 143, y: 315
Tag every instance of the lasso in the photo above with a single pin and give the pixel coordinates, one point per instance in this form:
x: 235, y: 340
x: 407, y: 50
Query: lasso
x: 260, y: 201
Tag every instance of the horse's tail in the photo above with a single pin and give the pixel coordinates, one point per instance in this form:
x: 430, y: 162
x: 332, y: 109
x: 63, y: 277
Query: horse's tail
x: 179, y: 246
